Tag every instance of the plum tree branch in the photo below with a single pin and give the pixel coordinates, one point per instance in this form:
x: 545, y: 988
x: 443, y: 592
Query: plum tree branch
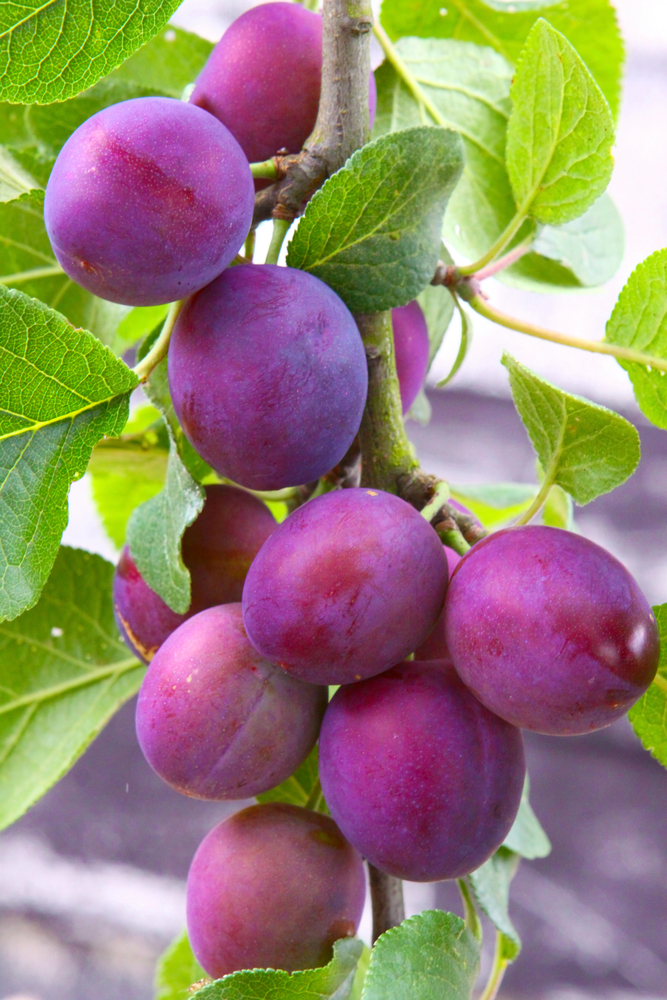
x: 387, y: 900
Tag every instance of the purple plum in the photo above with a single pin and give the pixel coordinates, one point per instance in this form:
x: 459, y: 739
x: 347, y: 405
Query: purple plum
x: 411, y: 349
x: 268, y: 376
x: 348, y: 585
x: 148, y: 201
x: 549, y: 630
x: 419, y: 776
x: 272, y: 886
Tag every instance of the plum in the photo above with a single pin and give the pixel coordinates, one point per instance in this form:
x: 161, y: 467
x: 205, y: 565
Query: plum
x: 549, y: 630
x: 148, y: 201
x: 272, y: 886
x: 217, y: 549
x: 263, y: 78
x: 422, y: 779
x: 268, y: 376
x: 411, y: 350
x: 348, y: 585
x: 217, y: 721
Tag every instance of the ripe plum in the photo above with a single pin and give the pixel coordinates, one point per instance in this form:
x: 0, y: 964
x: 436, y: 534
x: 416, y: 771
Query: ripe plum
x: 263, y: 78
x: 215, y: 720
x: 549, y: 630
x: 420, y: 777
x: 148, y: 201
x: 217, y: 549
x: 268, y: 376
x: 411, y: 349
x: 272, y: 886
x: 347, y: 586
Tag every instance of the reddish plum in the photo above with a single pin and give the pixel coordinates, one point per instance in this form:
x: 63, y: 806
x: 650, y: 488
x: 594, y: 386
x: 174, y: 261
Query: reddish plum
x: 348, y: 585
x: 217, y: 721
x: 268, y: 376
x: 273, y: 886
x: 411, y: 349
x: 549, y: 630
x: 217, y: 549
x: 420, y: 777
x: 148, y: 201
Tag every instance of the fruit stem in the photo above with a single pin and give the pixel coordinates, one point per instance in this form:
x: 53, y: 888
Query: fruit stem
x: 386, y: 452
x: 159, y: 349
x: 454, y: 540
x: 280, y: 230
x: 497, y: 971
x: 469, y: 911
x: 387, y: 900
x: 266, y: 170
x: 249, y: 248
x: 594, y: 346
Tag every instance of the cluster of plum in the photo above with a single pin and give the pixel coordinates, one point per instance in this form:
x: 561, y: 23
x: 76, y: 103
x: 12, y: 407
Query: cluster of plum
x: 421, y: 759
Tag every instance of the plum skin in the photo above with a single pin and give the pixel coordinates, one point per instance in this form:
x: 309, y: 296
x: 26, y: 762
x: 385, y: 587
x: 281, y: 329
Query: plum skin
x: 217, y: 548
x: 549, y: 630
x: 422, y: 779
x: 273, y: 886
x: 263, y: 79
x: 217, y: 721
x: 347, y: 586
x: 411, y: 350
x: 268, y: 376
x: 133, y: 216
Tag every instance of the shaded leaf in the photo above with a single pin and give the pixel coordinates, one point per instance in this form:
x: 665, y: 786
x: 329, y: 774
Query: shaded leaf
x: 527, y: 837
x: 432, y: 956
x: 560, y: 132
x: 360, y: 977
x: 494, y: 504
x: 299, y: 788
x: 64, y: 671
x: 14, y: 179
x: 583, y: 447
x: 157, y: 390
x: 61, y: 392
x: 372, y: 232
x: 649, y: 715
x: 491, y: 888
x: 177, y: 969
x: 558, y: 510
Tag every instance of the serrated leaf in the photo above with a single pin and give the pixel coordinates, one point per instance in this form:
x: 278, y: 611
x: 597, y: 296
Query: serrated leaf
x: 14, y: 179
x: 372, y: 232
x: 63, y: 673
x: 27, y: 262
x: 49, y: 52
x: 585, y: 448
x: 639, y: 320
x: 590, y: 25
x: 649, y: 715
x: 491, y: 888
x: 527, y: 837
x: 432, y: 956
x: 332, y: 982
x: 300, y: 787
x: 177, y: 970
x: 61, y: 391
x: 494, y: 504
x: 560, y: 132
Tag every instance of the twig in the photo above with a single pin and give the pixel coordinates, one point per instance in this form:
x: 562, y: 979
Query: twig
x: 387, y: 899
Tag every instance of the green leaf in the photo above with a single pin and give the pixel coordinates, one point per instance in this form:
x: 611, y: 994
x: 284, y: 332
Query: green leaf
x: 432, y: 956
x: 167, y: 63
x: 464, y: 346
x: 590, y: 25
x: 139, y: 322
x: 360, y: 977
x: 372, y: 232
x: 14, y: 179
x: 27, y: 262
x: 52, y: 51
x: 157, y: 390
x: 61, y: 391
x: 63, y: 673
x: 177, y: 970
x: 639, y: 320
x: 527, y: 837
x: 332, y: 982
x: 491, y: 888
x: 560, y: 132
x: 298, y: 790
x: 494, y: 504
x: 649, y: 715
x: 585, y: 448
x: 557, y: 511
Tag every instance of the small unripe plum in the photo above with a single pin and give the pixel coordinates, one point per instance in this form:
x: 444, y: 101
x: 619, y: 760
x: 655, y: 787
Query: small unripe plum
x: 217, y: 721
x: 268, y: 376
x: 217, y: 549
x: 348, y: 585
x: 263, y: 79
x: 273, y: 886
x: 549, y: 630
x: 148, y: 201
x: 411, y: 350
x: 419, y: 776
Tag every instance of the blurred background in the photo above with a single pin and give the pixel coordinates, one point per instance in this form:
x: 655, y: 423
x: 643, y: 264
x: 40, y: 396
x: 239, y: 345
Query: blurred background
x: 92, y: 879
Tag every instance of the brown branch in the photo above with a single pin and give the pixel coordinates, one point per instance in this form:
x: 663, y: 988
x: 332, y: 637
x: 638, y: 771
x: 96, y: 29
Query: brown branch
x: 387, y: 899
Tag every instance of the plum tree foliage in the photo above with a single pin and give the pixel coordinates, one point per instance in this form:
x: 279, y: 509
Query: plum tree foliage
x: 279, y: 534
